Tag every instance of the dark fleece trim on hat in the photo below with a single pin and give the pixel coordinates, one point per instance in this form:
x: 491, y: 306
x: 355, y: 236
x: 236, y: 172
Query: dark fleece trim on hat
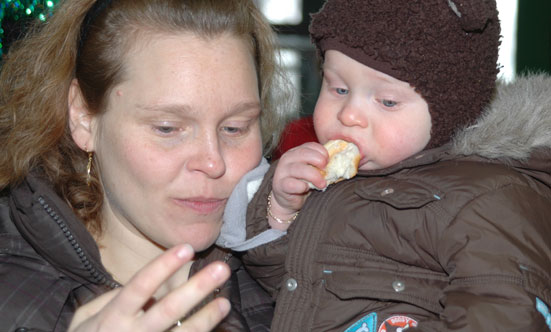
x: 447, y: 50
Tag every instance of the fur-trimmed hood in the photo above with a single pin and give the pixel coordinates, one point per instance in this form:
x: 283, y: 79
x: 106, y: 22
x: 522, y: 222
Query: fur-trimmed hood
x: 516, y: 123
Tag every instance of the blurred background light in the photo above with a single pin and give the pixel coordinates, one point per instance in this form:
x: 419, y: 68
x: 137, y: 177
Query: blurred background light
x: 282, y: 11
x: 508, y: 12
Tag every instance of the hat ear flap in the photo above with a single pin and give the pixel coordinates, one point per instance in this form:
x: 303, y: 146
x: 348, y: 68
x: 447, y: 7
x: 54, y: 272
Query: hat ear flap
x: 473, y: 14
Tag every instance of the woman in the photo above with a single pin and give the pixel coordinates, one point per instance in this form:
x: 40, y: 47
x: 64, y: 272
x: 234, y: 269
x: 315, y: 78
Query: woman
x: 126, y: 124
x: 446, y: 226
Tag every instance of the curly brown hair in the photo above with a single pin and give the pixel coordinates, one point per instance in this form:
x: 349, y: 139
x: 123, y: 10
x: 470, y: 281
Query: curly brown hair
x: 37, y: 73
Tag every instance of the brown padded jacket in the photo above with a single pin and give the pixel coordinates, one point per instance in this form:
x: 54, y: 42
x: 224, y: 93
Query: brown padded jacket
x: 50, y: 264
x: 452, y: 239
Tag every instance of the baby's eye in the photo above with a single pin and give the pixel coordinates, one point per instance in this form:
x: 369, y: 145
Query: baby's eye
x: 388, y: 103
x: 341, y: 91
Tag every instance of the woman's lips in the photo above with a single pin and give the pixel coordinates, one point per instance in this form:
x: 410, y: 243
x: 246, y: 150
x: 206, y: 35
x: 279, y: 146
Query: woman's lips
x: 202, y: 205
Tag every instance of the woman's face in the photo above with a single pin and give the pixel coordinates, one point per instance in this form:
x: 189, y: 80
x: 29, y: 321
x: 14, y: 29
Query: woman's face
x: 177, y: 136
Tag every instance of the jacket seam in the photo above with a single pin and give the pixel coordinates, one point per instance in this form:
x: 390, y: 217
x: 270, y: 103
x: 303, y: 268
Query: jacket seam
x: 488, y: 278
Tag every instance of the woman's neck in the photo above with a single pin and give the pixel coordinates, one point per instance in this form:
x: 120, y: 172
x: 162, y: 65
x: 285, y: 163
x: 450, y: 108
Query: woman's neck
x: 124, y: 252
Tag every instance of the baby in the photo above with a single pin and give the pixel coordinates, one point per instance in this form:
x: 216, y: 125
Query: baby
x: 446, y: 226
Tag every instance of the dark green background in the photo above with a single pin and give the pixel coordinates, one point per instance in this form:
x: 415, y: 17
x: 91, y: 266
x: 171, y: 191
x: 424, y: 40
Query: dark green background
x: 534, y: 36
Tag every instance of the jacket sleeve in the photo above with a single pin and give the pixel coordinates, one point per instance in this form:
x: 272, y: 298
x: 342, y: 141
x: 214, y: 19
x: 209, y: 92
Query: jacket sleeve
x: 265, y: 263
x: 497, y: 252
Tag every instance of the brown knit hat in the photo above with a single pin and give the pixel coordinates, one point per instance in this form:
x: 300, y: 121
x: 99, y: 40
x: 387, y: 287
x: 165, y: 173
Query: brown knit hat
x: 446, y: 49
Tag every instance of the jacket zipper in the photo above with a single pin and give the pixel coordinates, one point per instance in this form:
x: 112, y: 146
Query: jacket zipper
x: 96, y: 275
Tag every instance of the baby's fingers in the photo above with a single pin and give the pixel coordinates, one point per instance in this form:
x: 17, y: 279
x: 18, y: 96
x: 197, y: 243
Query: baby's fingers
x: 296, y: 182
x: 309, y: 153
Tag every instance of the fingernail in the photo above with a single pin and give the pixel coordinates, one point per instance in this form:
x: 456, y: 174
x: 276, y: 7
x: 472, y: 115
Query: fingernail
x: 224, y: 306
x: 185, y: 251
x: 218, y: 271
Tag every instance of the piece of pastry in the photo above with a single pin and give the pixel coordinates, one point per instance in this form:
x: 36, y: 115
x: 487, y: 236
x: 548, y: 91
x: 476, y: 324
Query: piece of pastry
x: 344, y: 159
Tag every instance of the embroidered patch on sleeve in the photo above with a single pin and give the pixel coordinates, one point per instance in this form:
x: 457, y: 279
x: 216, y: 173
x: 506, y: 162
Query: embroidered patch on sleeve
x: 544, y: 310
x: 397, y: 324
x: 366, y: 324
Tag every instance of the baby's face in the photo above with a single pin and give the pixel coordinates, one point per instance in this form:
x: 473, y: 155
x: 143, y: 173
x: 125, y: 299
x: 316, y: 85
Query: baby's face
x: 383, y: 116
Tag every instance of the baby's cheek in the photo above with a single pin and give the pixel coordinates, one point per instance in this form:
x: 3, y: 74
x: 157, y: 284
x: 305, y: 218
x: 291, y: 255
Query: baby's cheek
x: 395, y: 147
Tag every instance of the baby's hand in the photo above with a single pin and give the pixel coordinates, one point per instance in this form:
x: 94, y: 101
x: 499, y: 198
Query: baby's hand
x: 290, y: 183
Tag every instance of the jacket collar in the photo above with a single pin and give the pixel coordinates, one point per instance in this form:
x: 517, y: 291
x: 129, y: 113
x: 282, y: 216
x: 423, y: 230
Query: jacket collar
x: 422, y: 158
x: 514, y: 125
x: 55, y: 233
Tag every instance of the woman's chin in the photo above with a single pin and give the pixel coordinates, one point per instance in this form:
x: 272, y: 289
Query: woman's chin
x: 200, y: 239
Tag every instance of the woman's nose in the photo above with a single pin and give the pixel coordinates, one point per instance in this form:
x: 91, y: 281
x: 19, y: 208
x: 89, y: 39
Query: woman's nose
x: 207, y: 159
x: 353, y: 115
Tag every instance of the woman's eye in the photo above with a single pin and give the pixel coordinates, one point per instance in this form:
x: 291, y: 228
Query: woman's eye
x: 341, y: 91
x: 165, y: 130
x: 231, y: 130
x: 234, y: 130
x: 389, y: 103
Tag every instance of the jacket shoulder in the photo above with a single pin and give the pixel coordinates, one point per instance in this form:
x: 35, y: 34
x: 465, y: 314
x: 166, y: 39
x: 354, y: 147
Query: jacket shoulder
x: 472, y: 177
x: 32, y: 293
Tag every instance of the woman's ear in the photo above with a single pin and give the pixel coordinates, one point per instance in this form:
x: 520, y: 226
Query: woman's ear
x: 80, y: 119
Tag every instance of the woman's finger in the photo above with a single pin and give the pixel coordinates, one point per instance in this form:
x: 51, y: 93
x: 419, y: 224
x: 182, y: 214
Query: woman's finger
x: 92, y: 308
x: 176, y: 304
x: 207, y: 318
x: 139, y: 290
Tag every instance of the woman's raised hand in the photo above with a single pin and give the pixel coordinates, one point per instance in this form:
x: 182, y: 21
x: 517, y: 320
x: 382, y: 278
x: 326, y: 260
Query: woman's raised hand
x: 122, y: 309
